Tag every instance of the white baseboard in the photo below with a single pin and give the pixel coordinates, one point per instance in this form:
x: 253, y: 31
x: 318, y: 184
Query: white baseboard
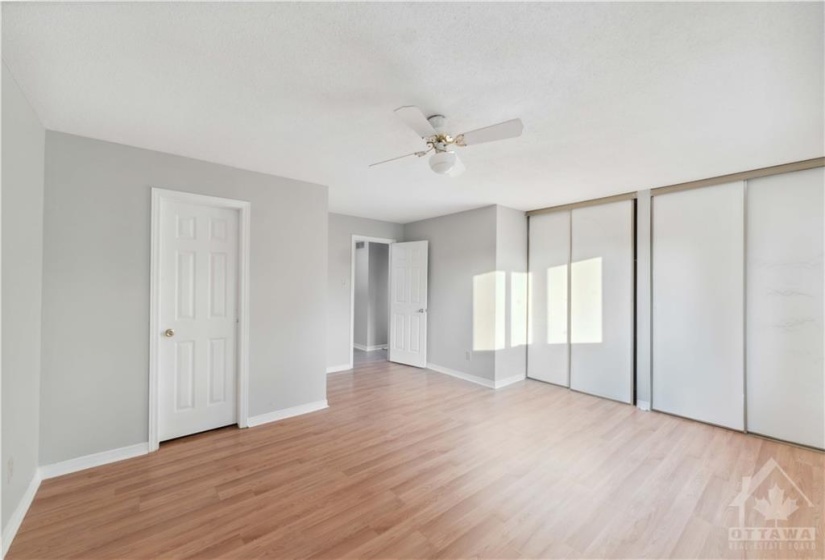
x: 94, y: 460
x: 483, y: 381
x: 370, y: 348
x: 286, y: 413
x: 643, y: 405
x: 510, y: 380
x: 16, y: 519
x: 336, y: 369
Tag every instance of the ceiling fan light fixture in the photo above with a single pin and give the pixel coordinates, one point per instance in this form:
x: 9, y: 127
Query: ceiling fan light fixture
x: 434, y: 132
x: 442, y: 162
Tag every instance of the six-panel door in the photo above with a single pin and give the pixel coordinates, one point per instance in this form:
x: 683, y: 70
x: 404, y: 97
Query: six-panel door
x: 408, y: 303
x: 197, y: 373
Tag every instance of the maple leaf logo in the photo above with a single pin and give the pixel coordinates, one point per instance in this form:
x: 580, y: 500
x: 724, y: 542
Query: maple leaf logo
x: 776, y: 507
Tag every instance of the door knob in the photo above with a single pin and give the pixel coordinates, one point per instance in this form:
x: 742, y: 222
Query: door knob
x: 168, y: 333
x: 422, y: 310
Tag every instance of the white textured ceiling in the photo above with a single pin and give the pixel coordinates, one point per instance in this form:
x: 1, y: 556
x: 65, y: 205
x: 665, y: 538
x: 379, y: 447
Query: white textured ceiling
x: 614, y: 97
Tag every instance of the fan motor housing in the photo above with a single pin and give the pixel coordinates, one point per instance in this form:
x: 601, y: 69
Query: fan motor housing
x: 438, y: 122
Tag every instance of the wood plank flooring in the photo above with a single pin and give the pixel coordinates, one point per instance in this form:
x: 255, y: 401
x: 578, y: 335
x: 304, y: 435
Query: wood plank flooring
x: 360, y: 357
x: 408, y: 463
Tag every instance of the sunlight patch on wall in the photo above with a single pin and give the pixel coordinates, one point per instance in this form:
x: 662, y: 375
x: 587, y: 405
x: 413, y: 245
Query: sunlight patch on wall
x: 586, y: 295
x: 518, y: 309
x: 557, y: 304
x: 530, y: 310
x: 489, y: 301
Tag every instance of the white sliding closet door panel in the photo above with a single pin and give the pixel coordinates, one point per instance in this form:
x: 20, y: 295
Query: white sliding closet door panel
x: 786, y: 224
x: 601, y: 301
x: 698, y: 304
x: 547, y: 352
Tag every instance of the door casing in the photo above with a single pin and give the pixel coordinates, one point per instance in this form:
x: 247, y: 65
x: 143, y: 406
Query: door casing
x: 159, y: 196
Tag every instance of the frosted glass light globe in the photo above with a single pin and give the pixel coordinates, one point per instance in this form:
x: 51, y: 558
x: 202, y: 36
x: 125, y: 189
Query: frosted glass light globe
x: 442, y: 162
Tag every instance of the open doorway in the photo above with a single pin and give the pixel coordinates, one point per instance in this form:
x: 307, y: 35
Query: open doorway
x: 370, y: 299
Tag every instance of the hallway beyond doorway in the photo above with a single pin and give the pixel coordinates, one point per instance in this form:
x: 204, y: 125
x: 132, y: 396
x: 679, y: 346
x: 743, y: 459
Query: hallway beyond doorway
x: 361, y: 357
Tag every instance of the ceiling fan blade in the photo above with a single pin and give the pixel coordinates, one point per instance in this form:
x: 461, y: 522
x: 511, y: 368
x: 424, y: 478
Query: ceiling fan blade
x: 415, y: 119
x: 458, y: 168
x: 500, y: 131
x: 419, y: 154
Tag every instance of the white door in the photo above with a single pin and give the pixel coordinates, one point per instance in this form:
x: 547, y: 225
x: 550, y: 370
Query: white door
x: 408, y: 303
x: 198, y: 279
x: 784, y: 332
x: 698, y: 304
x: 601, y: 301
x: 549, y: 256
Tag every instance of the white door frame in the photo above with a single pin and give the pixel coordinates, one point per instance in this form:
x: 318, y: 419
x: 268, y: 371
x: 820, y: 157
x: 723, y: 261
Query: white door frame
x: 243, y: 207
x: 355, y: 239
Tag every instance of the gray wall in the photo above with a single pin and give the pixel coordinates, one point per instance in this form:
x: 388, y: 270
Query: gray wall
x: 361, y: 296
x: 462, y: 246
x: 341, y: 230
x: 379, y: 261
x: 96, y: 288
x: 511, y: 258
x: 22, y: 249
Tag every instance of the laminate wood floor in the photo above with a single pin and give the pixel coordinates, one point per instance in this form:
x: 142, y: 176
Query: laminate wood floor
x: 360, y: 357
x: 408, y: 463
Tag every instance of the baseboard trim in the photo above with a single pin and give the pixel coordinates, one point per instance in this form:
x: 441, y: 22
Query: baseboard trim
x: 370, y: 348
x: 510, y: 380
x: 19, y: 513
x: 336, y: 369
x: 643, y: 405
x: 483, y: 381
x: 94, y: 460
x: 285, y: 413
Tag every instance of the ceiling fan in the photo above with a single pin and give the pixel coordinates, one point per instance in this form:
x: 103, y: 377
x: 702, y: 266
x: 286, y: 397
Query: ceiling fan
x: 433, y: 130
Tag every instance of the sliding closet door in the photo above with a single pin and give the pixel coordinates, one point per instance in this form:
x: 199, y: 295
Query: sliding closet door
x: 601, y: 301
x: 784, y: 307
x: 547, y: 353
x: 698, y: 304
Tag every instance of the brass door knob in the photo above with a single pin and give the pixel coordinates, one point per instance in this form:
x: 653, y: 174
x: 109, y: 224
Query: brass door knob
x: 168, y: 333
